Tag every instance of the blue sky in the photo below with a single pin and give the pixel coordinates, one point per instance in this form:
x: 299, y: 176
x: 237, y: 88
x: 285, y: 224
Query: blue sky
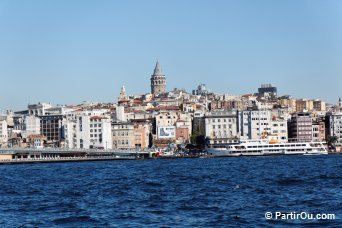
x: 66, y: 52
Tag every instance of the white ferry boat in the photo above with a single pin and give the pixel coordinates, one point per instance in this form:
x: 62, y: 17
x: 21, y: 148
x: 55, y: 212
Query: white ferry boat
x: 265, y: 147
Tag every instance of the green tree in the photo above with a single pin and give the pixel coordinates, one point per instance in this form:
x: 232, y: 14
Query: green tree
x: 331, y: 140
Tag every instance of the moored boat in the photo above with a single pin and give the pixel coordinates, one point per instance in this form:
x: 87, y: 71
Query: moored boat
x: 264, y: 147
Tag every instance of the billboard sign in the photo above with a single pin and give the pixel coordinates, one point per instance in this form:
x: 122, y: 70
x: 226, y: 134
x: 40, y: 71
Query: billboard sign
x: 166, y: 132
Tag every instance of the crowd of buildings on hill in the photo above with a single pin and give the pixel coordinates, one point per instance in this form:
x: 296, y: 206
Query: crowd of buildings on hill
x: 161, y: 118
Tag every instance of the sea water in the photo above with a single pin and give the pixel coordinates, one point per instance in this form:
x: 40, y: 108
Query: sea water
x: 172, y: 192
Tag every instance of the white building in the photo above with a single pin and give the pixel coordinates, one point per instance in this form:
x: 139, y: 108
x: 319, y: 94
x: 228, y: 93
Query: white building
x: 69, y: 130
x: 3, y: 132
x: 255, y: 124
x: 93, y: 132
x: 221, y: 127
x: 38, y: 109
x: 335, y: 126
x: 85, y: 130
x: 279, y: 127
x: 32, y: 126
x: 120, y: 114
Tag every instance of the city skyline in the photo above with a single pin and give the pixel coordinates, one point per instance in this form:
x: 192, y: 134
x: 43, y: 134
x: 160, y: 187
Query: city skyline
x: 69, y: 52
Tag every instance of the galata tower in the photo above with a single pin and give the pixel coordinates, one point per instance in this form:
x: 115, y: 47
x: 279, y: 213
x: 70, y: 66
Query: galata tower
x: 158, y: 81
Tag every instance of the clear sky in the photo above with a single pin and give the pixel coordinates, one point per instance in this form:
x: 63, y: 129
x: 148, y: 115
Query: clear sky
x: 66, y: 52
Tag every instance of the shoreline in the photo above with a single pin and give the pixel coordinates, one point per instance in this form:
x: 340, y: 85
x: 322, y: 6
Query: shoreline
x: 85, y: 159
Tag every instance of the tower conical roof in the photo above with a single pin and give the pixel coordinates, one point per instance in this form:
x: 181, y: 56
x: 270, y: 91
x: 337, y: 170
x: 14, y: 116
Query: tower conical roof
x: 157, y: 69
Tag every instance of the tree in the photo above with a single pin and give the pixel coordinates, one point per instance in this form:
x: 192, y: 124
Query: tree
x: 331, y: 140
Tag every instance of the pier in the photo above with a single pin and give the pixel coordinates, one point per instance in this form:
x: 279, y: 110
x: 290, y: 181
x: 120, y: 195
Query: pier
x: 35, y: 155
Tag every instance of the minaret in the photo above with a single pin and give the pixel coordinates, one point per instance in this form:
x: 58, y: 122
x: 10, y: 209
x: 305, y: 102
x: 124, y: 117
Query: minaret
x: 158, y: 81
x: 340, y: 102
x: 123, y: 98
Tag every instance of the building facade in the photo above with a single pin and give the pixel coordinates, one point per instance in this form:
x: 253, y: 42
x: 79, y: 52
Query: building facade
x: 93, y: 132
x: 255, y: 123
x: 123, y: 135
x: 3, y: 133
x: 221, y: 127
x: 334, y: 127
x: 142, y: 132
x: 50, y: 126
x: 267, y: 90
x: 300, y: 127
x: 32, y: 126
x: 38, y: 109
x: 318, y: 130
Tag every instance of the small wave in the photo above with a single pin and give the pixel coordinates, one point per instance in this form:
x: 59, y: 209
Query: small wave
x: 73, y: 219
x: 153, y: 184
x: 289, y: 181
x: 326, y: 177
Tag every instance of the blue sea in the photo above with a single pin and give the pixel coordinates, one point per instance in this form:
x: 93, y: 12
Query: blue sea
x: 201, y: 192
